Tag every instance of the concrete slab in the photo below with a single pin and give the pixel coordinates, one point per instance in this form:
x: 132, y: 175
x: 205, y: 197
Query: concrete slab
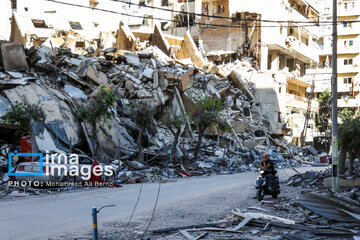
x: 343, y: 182
x: 13, y: 57
x: 125, y: 38
x: 190, y: 50
x: 158, y: 39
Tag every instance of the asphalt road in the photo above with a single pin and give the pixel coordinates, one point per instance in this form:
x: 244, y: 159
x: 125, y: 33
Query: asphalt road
x: 49, y: 216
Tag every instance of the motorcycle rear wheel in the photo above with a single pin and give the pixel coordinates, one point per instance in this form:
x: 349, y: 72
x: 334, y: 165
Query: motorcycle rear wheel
x: 274, y: 195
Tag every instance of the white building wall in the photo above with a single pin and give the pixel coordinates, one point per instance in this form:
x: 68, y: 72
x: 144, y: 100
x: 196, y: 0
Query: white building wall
x: 5, y: 15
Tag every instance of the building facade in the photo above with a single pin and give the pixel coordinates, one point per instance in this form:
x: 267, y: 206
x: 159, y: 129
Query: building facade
x: 284, y: 47
x: 348, y: 54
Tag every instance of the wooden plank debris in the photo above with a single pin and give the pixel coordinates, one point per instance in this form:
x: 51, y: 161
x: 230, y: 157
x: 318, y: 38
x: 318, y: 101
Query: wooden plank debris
x: 257, y: 215
x: 242, y: 223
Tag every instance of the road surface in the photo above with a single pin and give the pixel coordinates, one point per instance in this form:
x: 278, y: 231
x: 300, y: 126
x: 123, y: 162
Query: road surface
x: 51, y: 216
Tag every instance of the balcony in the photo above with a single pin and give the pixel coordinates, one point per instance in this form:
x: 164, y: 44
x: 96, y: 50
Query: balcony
x: 347, y: 31
x: 349, y: 103
x: 348, y: 68
x: 321, y: 85
x: 319, y: 70
x: 347, y: 50
x: 342, y: 12
x: 298, y: 102
x: 298, y: 17
x: 302, y: 52
x: 344, y: 87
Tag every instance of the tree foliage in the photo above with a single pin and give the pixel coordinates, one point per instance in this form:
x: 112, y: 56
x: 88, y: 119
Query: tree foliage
x: 324, y: 115
x: 349, y: 139
x: 174, y: 122
x: 349, y: 132
x: 97, y: 109
x: 143, y: 115
x: 21, y: 114
x: 207, y: 112
x: 346, y: 114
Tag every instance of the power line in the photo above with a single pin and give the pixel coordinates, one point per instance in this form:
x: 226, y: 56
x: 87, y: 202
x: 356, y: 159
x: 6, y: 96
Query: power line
x: 175, y: 21
x: 133, y: 212
x: 153, y: 213
x: 221, y: 17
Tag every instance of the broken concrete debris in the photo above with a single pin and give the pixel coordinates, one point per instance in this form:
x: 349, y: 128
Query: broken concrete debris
x: 310, y: 179
x: 13, y: 57
x: 59, y: 75
x: 320, y: 216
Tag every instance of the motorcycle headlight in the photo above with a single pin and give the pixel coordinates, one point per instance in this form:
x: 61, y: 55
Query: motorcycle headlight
x: 261, y: 171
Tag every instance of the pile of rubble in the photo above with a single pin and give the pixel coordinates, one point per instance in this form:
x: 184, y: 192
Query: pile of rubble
x: 311, y: 216
x: 309, y: 179
x: 58, y: 80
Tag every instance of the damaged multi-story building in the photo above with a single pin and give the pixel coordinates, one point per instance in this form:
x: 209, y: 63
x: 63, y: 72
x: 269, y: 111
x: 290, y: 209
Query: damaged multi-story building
x: 225, y: 30
x: 283, y: 36
x: 348, y: 54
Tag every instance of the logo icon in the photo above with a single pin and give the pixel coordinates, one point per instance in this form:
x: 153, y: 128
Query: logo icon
x: 16, y: 153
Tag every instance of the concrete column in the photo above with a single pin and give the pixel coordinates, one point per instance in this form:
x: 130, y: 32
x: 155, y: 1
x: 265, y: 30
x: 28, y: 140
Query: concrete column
x: 274, y: 61
x: 282, y: 61
x: 264, y: 57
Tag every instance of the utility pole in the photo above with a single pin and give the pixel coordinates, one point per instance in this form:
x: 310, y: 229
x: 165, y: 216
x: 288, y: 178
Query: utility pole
x: 188, y: 16
x: 334, y: 108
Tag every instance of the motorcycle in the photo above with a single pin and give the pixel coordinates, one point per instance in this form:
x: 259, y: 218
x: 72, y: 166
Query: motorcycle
x: 267, y: 184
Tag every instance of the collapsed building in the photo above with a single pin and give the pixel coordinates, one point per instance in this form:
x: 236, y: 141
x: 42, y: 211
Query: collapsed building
x: 67, y: 59
x: 223, y: 31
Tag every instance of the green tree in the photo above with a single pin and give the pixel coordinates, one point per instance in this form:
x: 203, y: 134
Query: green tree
x: 96, y: 110
x: 346, y: 114
x: 207, y: 112
x: 21, y: 115
x: 324, y: 115
x: 349, y: 139
x: 143, y: 115
x: 175, y: 124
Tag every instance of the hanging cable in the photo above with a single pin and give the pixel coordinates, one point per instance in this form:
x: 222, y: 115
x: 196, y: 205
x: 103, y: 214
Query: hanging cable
x: 154, y: 209
x: 215, y: 16
x: 308, y: 24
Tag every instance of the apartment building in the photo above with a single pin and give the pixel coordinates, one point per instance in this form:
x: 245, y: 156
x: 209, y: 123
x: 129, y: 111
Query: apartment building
x: 285, y: 49
x: 348, y: 54
x: 42, y: 18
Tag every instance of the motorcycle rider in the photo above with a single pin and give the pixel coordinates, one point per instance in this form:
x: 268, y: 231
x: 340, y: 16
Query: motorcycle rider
x: 267, y: 165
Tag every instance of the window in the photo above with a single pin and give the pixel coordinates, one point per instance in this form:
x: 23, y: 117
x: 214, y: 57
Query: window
x: 164, y: 3
x: 220, y: 9
x: 347, y: 25
x: 39, y: 23
x: 182, y: 20
x: 347, y: 80
x: 279, y: 117
x: 349, y: 5
x: 348, y: 61
x: 75, y: 25
x: 13, y: 4
x: 348, y: 43
x: 291, y: 32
